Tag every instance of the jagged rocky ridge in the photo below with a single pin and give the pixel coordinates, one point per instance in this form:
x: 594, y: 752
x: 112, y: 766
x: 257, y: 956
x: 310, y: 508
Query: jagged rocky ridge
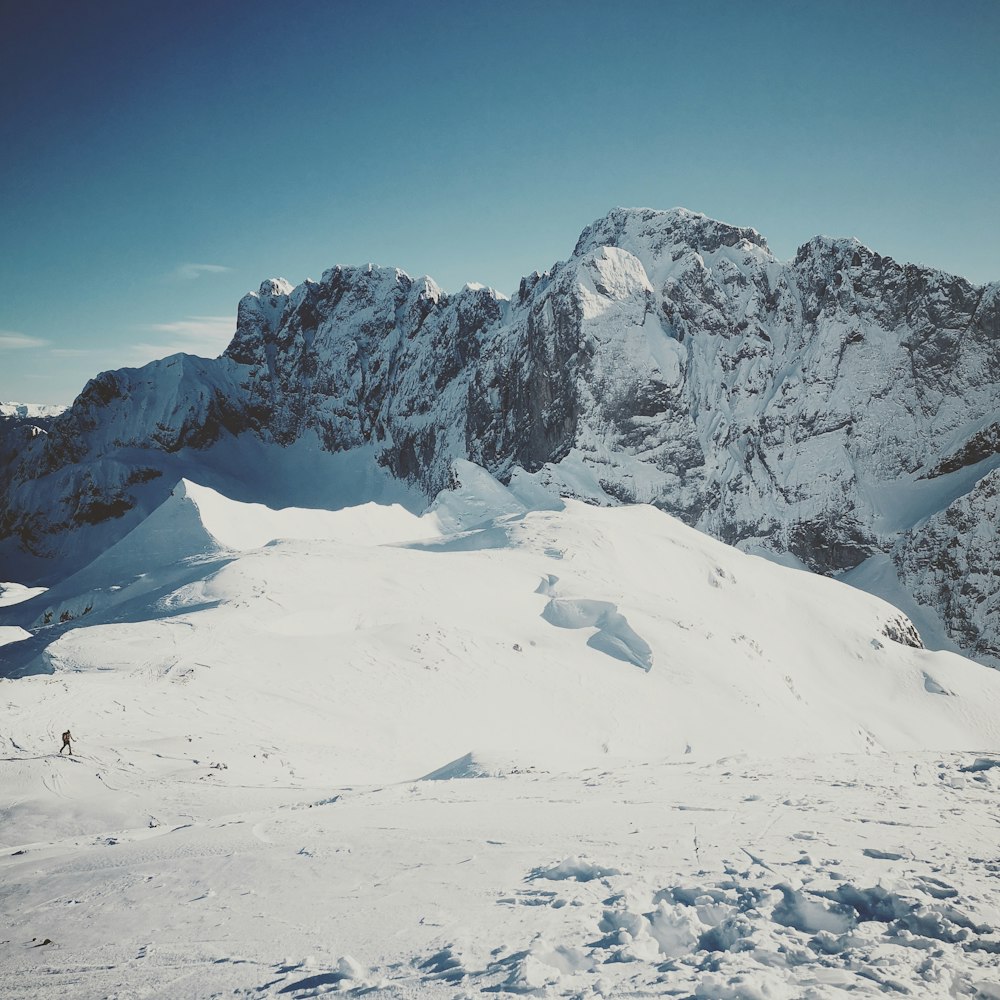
x: 834, y: 408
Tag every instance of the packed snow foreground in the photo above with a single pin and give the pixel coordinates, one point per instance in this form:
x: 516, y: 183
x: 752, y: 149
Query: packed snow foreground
x: 576, y: 751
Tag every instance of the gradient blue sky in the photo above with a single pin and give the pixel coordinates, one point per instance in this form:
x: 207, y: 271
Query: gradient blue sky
x: 161, y: 159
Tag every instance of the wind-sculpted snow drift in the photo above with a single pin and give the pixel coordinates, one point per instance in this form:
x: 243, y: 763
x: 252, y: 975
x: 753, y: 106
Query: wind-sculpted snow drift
x: 832, y: 410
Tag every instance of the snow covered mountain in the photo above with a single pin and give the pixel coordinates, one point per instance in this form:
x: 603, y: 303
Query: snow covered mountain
x: 30, y: 410
x: 838, y: 410
x: 20, y: 423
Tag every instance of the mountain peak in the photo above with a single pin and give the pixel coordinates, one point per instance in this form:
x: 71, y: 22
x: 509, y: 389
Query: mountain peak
x: 839, y: 249
x: 275, y: 286
x: 656, y: 230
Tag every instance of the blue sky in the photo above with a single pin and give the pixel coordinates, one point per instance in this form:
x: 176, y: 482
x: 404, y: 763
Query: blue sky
x: 162, y: 159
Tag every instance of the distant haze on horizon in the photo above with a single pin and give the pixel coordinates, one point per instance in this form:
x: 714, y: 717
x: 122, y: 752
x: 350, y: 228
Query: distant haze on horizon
x: 161, y: 160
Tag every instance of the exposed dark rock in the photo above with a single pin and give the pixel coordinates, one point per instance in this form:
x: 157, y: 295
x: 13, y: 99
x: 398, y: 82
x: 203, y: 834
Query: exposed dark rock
x: 981, y: 445
x: 900, y: 629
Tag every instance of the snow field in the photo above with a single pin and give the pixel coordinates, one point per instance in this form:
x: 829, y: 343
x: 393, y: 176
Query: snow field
x: 660, y: 766
x: 390, y: 660
x: 787, y: 878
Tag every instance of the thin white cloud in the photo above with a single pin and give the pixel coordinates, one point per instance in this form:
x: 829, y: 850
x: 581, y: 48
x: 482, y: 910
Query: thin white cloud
x: 206, y: 336
x: 10, y: 340
x: 69, y: 352
x: 190, y: 271
x: 197, y: 327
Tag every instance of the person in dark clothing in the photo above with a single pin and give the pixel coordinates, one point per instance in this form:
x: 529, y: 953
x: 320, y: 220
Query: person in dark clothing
x: 67, y: 737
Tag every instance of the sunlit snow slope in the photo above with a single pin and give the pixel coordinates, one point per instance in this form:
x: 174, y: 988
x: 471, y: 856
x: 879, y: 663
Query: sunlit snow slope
x: 540, y: 638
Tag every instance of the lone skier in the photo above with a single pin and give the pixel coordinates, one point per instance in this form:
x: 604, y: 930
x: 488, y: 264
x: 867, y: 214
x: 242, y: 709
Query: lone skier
x: 66, y: 744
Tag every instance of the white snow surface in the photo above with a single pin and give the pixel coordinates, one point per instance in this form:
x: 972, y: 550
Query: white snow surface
x: 15, y: 593
x: 696, y: 773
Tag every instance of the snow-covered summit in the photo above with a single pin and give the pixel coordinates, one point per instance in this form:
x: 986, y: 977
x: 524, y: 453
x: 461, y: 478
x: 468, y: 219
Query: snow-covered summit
x: 661, y: 231
x: 274, y: 286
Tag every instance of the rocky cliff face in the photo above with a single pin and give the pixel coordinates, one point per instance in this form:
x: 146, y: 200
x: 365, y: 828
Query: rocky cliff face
x: 951, y: 562
x: 829, y: 408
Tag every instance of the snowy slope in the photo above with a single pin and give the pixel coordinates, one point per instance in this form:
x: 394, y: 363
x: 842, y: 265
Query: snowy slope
x: 695, y: 772
x: 469, y: 640
x: 819, y: 409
